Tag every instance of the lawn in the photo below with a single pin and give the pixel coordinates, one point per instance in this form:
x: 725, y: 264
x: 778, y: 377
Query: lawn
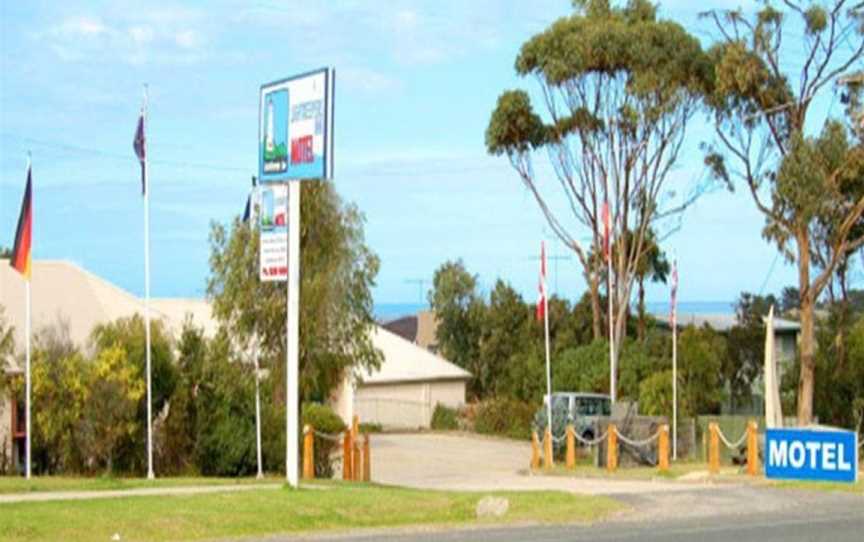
x: 825, y: 486
x: 18, y: 484
x: 586, y: 469
x: 277, y: 511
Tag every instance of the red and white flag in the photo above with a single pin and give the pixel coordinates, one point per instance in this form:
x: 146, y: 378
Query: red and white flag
x: 607, y: 228
x: 541, y: 298
x: 674, y: 300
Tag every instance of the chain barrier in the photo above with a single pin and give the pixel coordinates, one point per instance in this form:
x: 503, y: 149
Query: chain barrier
x: 732, y: 445
x: 588, y: 442
x: 332, y: 437
x: 637, y: 443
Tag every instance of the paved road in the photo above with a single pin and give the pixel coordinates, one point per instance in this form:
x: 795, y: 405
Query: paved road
x: 739, y: 514
x: 474, y: 463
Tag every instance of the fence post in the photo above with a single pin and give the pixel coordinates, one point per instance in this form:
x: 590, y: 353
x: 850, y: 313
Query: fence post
x: 571, y: 447
x: 713, y: 448
x: 612, y: 448
x: 663, y: 449
x: 308, y: 452
x: 548, y: 461
x: 346, y: 456
x: 752, y: 448
x: 367, y: 459
x: 535, y: 451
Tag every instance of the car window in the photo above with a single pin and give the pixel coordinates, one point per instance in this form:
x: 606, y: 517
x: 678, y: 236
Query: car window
x: 607, y: 407
x: 559, y: 401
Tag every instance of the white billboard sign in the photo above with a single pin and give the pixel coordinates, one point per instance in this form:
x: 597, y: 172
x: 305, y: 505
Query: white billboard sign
x: 273, y: 216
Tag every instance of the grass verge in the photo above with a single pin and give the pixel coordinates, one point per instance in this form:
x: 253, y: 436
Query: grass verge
x: 279, y: 511
x: 18, y: 484
x: 824, y: 486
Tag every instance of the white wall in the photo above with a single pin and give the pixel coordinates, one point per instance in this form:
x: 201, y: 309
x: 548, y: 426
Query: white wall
x: 406, y: 405
x: 6, y: 425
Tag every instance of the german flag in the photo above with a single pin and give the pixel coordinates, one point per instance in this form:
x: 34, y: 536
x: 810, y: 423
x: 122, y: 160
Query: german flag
x: 23, y: 235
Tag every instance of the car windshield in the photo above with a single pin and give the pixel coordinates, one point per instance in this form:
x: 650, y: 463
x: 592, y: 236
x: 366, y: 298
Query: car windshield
x: 592, y: 406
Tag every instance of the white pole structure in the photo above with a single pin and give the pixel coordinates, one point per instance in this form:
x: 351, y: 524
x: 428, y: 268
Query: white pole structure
x: 27, y: 443
x: 257, y: 406
x: 546, y: 333
x: 675, y: 360
x: 613, y: 377
x: 150, y: 474
x: 292, y: 329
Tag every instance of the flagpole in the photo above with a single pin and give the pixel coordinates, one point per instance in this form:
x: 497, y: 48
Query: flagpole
x: 612, y: 372
x: 675, y: 365
x: 27, y: 379
x: 546, y: 332
x: 150, y: 474
x: 257, y: 406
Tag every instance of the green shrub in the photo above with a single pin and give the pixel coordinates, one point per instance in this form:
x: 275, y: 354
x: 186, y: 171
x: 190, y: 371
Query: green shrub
x: 369, y: 427
x: 444, y: 418
x: 506, y: 417
x: 323, y: 419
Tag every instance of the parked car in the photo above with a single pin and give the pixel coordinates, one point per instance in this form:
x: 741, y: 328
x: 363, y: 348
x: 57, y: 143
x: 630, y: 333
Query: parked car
x: 583, y: 410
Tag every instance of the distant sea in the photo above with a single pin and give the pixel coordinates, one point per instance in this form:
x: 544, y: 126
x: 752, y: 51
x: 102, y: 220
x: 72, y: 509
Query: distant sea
x: 385, y: 312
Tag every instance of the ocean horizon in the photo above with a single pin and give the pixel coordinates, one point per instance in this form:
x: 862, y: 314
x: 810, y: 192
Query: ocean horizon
x: 385, y: 312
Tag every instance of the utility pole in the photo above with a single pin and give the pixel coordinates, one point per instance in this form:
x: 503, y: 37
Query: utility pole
x: 421, y: 283
x: 554, y: 258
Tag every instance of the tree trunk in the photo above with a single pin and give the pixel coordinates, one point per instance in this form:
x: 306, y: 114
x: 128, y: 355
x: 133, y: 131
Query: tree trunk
x: 807, y: 375
x: 640, y: 328
x: 596, y: 310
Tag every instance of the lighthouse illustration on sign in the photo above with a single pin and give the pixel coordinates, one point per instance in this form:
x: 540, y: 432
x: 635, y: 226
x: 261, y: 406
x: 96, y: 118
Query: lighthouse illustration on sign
x: 269, y: 134
x: 275, y: 134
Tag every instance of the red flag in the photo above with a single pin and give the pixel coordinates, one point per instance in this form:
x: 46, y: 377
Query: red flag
x: 20, y: 259
x: 607, y: 228
x: 541, y: 299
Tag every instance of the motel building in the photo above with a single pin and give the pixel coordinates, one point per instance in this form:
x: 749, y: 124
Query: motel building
x: 402, y: 392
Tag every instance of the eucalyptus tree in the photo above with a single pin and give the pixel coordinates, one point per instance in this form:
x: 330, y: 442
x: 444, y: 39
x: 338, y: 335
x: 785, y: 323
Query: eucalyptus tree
x: 767, y: 79
x: 619, y: 86
x: 338, y: 273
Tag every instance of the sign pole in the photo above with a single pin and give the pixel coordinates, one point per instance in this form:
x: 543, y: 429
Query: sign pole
x: 150, y: 474
x: 292, y: 371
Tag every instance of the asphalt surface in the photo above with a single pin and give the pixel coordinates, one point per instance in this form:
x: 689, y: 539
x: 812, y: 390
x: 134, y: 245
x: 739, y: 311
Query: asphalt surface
x: 738, y: 514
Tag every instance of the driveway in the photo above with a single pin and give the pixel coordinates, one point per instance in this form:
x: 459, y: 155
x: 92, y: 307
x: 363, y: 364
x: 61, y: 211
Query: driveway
x: 470, y: 462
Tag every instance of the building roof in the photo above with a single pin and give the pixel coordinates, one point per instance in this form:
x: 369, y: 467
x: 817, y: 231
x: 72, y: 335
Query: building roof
x: 405, y: 361
x: 723, y: 322
x: 405, y: 327
x: 63, y: 291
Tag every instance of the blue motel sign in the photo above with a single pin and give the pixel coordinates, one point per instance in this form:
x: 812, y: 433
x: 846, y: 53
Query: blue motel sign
x: 811, y: 454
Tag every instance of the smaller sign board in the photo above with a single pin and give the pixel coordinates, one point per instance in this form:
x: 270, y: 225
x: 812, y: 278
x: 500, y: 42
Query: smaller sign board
x: 273, y: 227
x: 811, y: 454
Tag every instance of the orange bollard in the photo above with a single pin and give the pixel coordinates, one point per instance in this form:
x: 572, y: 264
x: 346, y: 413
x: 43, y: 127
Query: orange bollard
x: 548, y: 461
x: 346, y: 456
x: 308, y: 453
x: 357, y: 467
x: 571, y: 447
x: 367, y: 459
x: 663, y: 449
x: 535, y: 451
x: 752, y: 448
x: 612, y: 448
x: 713, y: 448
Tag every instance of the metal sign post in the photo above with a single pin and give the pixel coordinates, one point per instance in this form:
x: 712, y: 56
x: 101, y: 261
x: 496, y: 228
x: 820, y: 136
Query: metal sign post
x: 295, y: 143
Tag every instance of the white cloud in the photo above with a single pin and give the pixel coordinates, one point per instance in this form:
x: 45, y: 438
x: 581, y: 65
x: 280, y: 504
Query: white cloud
x: 187, y: 39
x: 80, y: 27
x: 367, y: 80
x: 141, y: 34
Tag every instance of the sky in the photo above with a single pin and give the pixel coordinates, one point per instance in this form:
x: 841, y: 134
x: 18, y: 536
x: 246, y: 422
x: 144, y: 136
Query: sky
x: 416, y: 83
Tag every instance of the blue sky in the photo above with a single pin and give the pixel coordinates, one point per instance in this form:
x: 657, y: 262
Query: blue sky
x: 416, y: 82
